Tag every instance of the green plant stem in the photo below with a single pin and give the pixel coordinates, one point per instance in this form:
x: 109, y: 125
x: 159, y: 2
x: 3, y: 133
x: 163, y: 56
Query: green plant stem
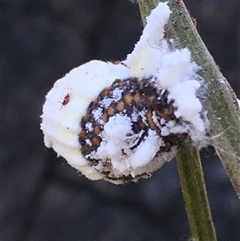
x: 220, y: 102
x: 195, y: 195
x: 219, y: 94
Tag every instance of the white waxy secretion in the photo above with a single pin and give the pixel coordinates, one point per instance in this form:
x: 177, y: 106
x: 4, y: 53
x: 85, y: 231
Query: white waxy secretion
x: 61, y: 124
x: 123, y: 154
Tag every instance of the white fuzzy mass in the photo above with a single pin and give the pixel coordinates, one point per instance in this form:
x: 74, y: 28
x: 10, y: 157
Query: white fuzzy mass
x: 173, y: 70
x: 144, y: 57
x: 61, y: 123
x: 153, y: 57
x: 117, y: 141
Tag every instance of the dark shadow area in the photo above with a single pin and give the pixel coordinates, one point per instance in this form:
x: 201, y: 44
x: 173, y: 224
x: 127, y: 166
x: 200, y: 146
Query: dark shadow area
x: 42, y: 197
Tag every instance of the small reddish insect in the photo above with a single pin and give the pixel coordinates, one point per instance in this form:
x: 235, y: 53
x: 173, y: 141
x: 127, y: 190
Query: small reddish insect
x: 65, y: 100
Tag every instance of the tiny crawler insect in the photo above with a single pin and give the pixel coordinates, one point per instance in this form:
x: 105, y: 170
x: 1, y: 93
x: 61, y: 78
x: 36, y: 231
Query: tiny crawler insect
x: 65, y: 100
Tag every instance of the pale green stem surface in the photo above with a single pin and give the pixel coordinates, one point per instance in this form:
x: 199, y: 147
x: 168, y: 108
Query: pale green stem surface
x: 220, y: 101
x: 191, y: 178
x: 195, y: 195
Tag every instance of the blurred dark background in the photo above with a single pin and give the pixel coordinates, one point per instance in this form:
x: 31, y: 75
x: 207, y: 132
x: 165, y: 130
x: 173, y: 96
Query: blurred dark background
x: 42, y: 197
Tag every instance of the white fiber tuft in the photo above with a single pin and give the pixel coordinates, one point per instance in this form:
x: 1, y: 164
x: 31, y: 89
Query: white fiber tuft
x: 146, y: 52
